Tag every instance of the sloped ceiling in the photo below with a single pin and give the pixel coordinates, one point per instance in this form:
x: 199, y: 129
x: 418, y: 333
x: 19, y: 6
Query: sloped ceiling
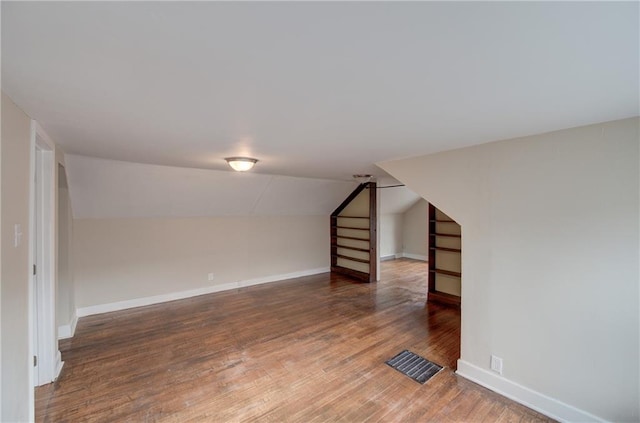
x: 114, y: 189
x: 317, y: 91
x: 102, y: 188
x: 313, y: 89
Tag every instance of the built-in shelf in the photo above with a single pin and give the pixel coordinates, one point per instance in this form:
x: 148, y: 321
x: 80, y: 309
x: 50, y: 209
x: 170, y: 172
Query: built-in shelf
x: 350, y: 237
x: 351, y: 258
x: 446, y: 272
x: 364, y: 250
x: 366, y: 235
x: 440, y: 278
x: 443, y: 297
x: 451, y: 250
x: 448, y: 235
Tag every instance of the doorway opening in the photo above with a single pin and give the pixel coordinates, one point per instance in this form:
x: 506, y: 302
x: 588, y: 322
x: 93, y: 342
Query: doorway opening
x: 414, y: 230
x: 47, y: 360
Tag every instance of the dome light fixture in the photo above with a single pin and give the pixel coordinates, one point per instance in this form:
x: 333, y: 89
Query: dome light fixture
x: 362, y: 179
x: 241, y: 164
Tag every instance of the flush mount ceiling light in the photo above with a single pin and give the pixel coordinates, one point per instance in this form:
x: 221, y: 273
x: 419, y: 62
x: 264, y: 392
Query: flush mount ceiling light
x: 362, y: 179
x: 241, y: 164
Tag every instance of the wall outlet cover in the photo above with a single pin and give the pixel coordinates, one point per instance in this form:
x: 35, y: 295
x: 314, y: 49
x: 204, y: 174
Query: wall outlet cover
x: 496, y: 364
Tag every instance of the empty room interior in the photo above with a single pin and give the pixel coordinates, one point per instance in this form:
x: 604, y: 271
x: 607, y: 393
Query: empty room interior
x: 320, y: 211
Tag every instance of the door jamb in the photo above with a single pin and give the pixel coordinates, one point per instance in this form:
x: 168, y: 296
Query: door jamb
x: 49, y: 358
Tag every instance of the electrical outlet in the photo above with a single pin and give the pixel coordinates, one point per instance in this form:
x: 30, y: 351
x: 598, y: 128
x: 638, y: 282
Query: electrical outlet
x: 496, y: 364
x: 210, y: 277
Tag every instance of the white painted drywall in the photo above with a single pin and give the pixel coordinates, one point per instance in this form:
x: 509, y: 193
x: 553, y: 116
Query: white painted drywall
x: 16, y: 134
x: 550, y: 259
x: 391, y: 235
x: 113, y: 189
x: 126, y: 259
x: 395, y: 199
x: 66, y: 308
x: 415, y: 231
x: 2, y: 234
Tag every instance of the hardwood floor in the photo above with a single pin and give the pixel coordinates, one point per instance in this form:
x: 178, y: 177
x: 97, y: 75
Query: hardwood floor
x: 310, y: 349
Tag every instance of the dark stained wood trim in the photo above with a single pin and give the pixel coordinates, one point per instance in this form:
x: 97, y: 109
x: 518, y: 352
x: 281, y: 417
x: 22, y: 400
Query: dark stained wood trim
x: 349, y: 199
x: 364, y: 277
x: 451, y: 250
x: 352, y: 227
x: 443, y: 298
x: 446, y: 272
x: 448, y: 235
x: 359, y: 260
x: 373, y: 231
x: 334, y: 233
x: 364, y: 250
x: 350, y: 237
x: 432, y: 243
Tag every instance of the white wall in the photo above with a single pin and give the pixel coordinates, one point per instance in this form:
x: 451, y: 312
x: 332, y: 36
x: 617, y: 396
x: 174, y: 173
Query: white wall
x: 415, y: 231
x: 66, y: 308
x: 146, y: 233
x: 2, y: 234
x: 16, y: 134
x: 109, y: 188
x: 550, y: 263
x: 120, y: 260
x: 394, y: 203
x: 391, y: 226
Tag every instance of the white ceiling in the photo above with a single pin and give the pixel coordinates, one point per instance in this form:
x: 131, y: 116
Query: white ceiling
x: 321, y: 90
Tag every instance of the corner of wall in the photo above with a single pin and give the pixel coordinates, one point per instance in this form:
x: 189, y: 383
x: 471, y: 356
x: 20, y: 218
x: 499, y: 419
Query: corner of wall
x: 68, y: 330
x: 535, y: 400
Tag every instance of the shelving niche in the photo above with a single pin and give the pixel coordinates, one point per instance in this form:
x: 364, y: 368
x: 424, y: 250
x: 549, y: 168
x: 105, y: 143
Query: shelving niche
x: 445, y: 258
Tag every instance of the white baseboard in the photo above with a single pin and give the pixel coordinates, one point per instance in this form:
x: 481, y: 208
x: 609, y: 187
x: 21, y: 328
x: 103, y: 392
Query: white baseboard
x: 535, y: 400
x: 67, y: 331
x: 59, y: 364
x: 156, y: 299
x: 415, y: 256
x: 390, y: 257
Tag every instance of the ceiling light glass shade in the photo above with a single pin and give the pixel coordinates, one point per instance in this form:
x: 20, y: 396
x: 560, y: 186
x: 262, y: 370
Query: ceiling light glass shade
x: 362, y: 179
x: 241, y: 164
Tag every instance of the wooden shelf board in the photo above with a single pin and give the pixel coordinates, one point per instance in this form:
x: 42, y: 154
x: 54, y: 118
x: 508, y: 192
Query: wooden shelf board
x: 364, y: 250
x: 446, y: 272
x: 352, y: 227
x: 365, y: 277
x: 351, y: 258
x: 444, y: 298
x: 447, y: 235
x: 451, y: 250
x: 350, y: 237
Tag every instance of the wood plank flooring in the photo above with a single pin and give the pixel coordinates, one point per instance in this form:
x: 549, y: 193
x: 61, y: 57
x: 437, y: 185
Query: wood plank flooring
x: 310, y: 349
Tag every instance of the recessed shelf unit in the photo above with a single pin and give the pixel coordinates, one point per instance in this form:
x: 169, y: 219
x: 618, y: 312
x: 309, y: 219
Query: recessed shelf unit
x: 445, y: 254
x: 353, y: 235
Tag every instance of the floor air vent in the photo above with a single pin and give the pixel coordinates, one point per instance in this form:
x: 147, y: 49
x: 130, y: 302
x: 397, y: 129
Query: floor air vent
x: 417, y: 368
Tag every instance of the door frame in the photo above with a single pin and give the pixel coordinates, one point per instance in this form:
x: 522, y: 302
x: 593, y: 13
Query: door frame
x: 43, y: 339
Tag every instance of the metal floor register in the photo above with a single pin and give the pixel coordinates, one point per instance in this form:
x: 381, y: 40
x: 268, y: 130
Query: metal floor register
x: 417, y: 368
